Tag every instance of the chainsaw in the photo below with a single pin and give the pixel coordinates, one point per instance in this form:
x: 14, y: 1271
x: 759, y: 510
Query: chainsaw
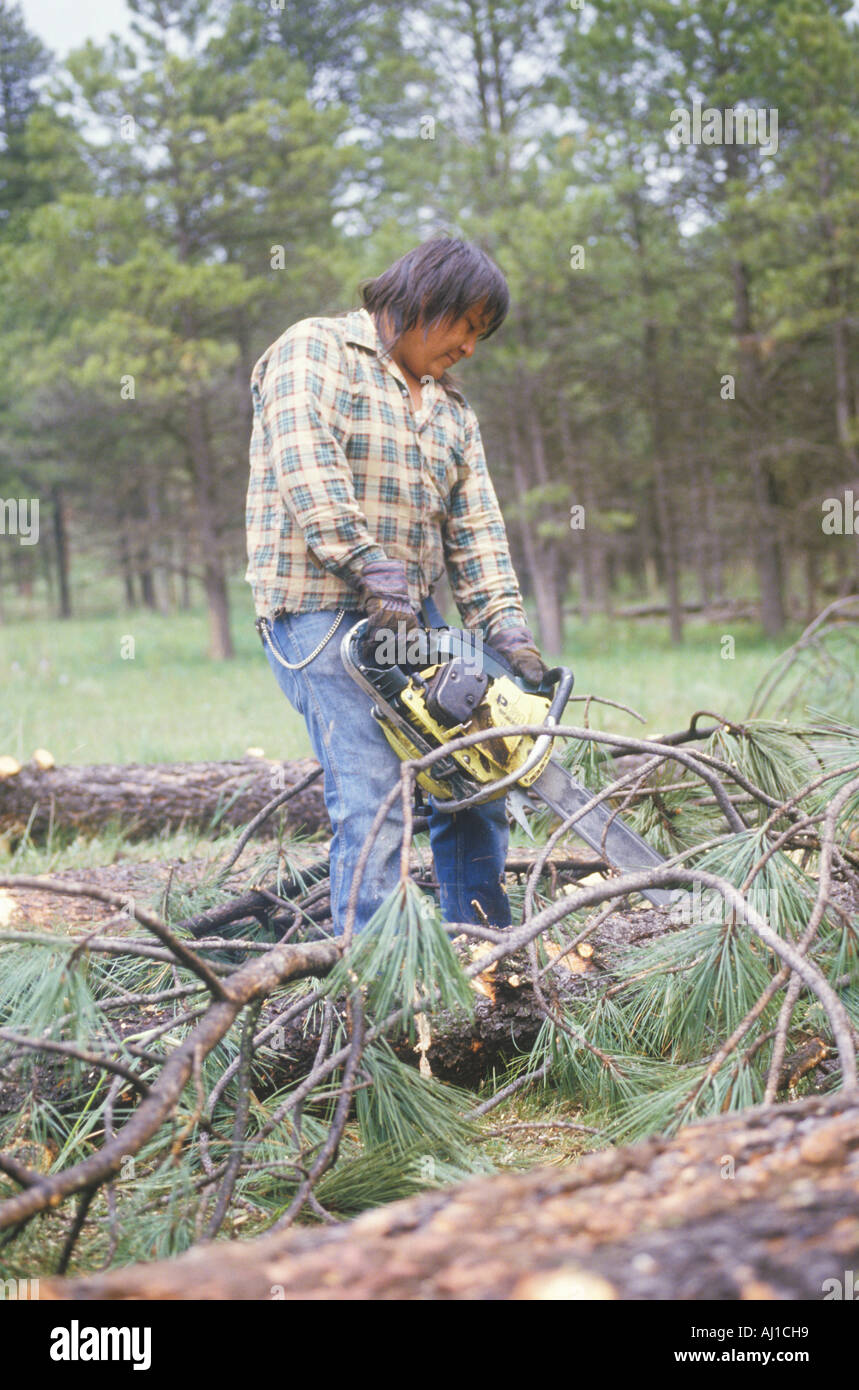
x: 447, y: 687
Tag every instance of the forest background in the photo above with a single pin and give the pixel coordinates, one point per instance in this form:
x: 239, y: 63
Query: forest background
x: 670, y: 411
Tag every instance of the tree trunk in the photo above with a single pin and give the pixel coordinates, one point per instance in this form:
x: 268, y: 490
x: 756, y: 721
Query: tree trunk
x: 144, y: 574
x: 22, y: 562
x: 812, y: 580
x: 184, y: 571
x: 603, y: 598
x: 763, y: 1204
x: 158, y: 548
x: 767, y: 549
x: 540, y: 584
x: 154, y: 797
x: 125, y: 567
x: 702, y: 549
x: 843, y: 412
x: 214, y: 580
x: 766, y: 544
x: 835, y: 298
x: 658, y: 427
x: 551, y: 569
x: 577, y: 537
x: 714, y: 540
x: 662, y: 488
x: 540, y: 557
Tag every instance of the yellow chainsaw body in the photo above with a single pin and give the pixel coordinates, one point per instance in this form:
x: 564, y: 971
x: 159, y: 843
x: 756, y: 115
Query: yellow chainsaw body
x: 504, y: 703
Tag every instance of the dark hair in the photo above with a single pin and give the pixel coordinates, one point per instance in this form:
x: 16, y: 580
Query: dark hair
x: 440, y: 279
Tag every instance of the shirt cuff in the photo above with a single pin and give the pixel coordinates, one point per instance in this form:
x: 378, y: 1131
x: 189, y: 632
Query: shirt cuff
x: 354, y: 563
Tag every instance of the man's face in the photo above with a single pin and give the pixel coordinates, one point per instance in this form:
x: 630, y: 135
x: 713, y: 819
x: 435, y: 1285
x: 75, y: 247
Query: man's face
x: 445, y: 344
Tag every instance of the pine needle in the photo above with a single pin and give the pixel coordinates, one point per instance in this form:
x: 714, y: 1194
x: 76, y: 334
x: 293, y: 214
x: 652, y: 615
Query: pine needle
x: 402, y: 1109
x: 404, y: 956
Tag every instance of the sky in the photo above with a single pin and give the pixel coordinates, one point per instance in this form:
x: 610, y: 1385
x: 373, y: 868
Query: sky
x: 62, y: 25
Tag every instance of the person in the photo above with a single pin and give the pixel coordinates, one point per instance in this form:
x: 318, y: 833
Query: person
x: 368, y: 482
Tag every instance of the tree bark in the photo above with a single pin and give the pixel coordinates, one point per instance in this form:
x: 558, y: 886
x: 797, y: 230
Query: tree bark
x: 662, y: 489
x: 835, y: 298
x: 145, y: 575
x: 715, y: 543
x: 150, y: 798
x: 61, y: 547
x: 766, y: 544
x: 577, y: 472
x: 658, y: 429
x: 539, y: 557
x: 214, y: 580
x: 763, y: 1204
x: 158, y: 550
x: 125, y: 565
x: 550, y: 569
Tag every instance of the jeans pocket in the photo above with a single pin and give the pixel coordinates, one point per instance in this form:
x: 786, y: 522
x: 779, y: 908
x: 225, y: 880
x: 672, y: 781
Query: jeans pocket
x: 278, y: 651
x: 311, y: 642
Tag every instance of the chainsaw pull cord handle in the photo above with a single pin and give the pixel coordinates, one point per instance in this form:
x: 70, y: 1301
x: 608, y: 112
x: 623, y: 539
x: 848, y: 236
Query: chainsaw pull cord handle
x: 564, y: 677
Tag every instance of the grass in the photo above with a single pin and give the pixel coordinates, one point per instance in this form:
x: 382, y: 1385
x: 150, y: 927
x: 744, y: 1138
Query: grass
x: 635, y: 662
x: 68, y: 688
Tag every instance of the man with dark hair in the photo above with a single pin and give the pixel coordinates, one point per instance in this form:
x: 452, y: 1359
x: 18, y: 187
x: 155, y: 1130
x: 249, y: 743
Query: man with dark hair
x: 368, y: 481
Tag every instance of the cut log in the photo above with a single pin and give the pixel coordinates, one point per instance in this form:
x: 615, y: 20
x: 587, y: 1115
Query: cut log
x: 759, y: 1205
x: 151, y: 798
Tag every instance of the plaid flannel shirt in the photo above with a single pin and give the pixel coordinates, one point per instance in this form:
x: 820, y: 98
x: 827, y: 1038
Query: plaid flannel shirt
x: 344, y: 471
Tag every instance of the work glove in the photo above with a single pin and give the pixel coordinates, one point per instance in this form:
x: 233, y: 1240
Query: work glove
x: 517, y: 645
x: 384, y: 594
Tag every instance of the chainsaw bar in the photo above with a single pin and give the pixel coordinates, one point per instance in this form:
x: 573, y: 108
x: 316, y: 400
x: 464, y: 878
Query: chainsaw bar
x: 601, y: 828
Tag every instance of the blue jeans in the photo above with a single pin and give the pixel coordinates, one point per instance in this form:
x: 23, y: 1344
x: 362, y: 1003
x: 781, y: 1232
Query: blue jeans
x: 359, y: 767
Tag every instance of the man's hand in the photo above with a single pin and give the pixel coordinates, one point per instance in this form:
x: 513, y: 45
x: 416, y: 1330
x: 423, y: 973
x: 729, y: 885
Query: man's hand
x: 384, y: 595
x: 518, y: 646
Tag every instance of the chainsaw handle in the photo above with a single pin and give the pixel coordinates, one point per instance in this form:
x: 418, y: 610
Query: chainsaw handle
x: 563, y: 677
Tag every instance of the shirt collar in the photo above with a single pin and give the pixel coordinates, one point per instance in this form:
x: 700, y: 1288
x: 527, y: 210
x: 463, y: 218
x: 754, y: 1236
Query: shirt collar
x: 361, y: 329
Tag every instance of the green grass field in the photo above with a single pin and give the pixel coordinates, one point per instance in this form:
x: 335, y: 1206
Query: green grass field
x: 67, y: 688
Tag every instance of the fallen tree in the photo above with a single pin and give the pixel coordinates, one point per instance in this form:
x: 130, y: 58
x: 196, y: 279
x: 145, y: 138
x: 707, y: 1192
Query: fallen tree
x: 149, y: 799
x: 272, y: 1073
x: 247, y: 1093
x: 761, y: 1205
x: 505, y: 1020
